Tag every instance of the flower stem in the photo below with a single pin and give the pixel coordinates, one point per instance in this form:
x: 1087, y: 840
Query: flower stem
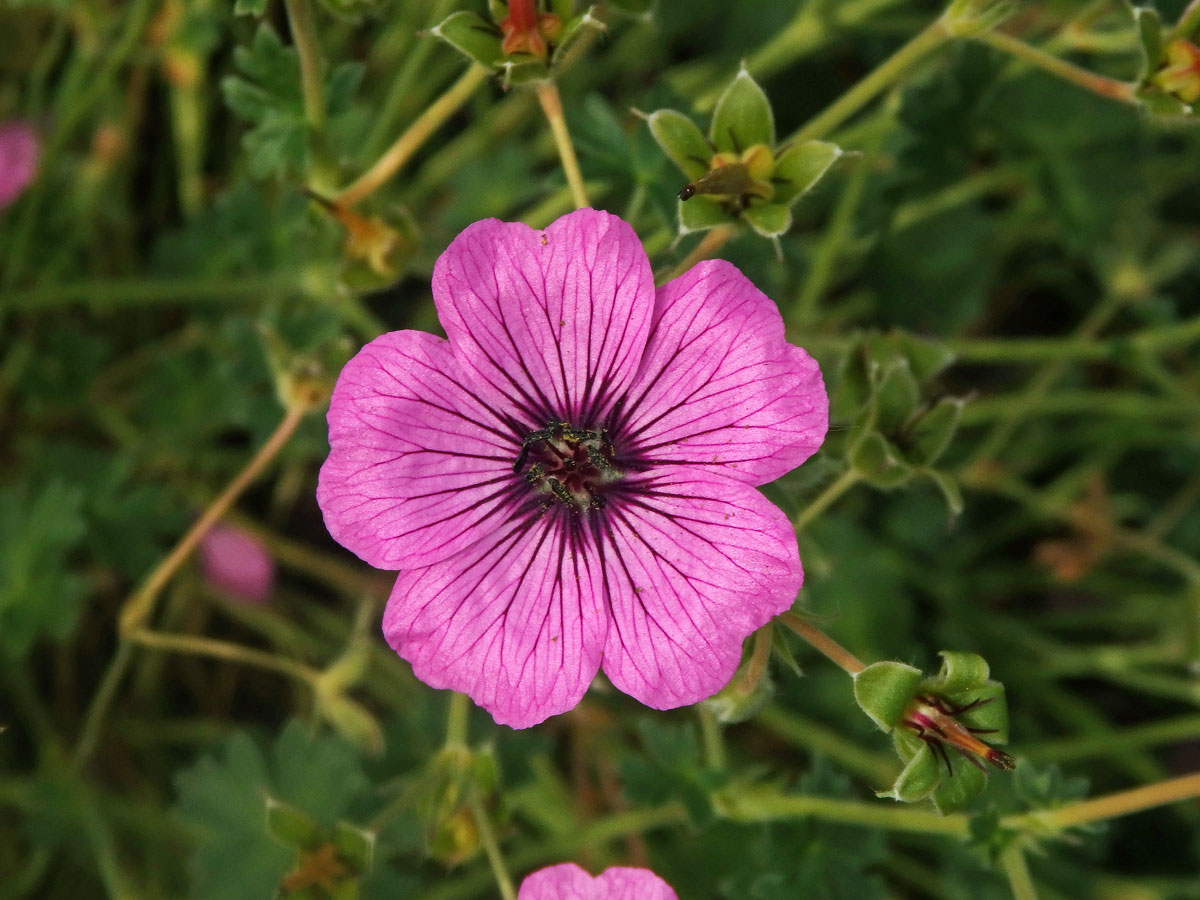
x: 1012, y: 860
x: 434, y: 116
x: 714, y: 741
x: 457, y: 716
x: 845, y: 481
x: 1060, y: 68
x: 548, y: 96
x: 766, y: 806
x: 226, y: 650
x: 882, y: 77
x: 487, y: 837
x: 712, y: 242
x: 312, y: 69
x: 1110, y: 806
x: 140, y: 605
x: 833, y: 651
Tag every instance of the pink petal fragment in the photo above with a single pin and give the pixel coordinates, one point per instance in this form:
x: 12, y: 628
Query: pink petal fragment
x: 238, y: 563
x: 556, y: 320
x: 18, y: 159
x: 517, y: 620
x: 696, y: 562
x: 568, y: 881
x: 720, y: 386
x: 416, y: 463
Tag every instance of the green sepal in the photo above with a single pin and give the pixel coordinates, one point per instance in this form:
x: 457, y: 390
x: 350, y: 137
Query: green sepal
x: 877, y: 460
x: 701, y: 214
x: 528, y: 71
x: 682, y: 141
x: 896, y: 397
x: 353, y: 721
x: 472, y: 35
x: 1164, y: 106
x: 498, y: 10
x: 800, y: 167
x: 951, y: 492
x: 768, y: 219
x: 917, y: 780
x: 733, y: 703
x: 743, y: 116
x: 960, y: 672
x: 1149, y: 27
x: 885, y: 689
x: 927, y: 358
x: 572, y: 31
x: 292, y: 826
x: 927, y: 439
x: 781, y: 650
x: 354, y: 845
x: 959, y: 787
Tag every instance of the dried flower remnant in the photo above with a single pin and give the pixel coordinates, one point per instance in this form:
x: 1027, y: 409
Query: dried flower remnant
x: 1181, y: 73
x: 18, y: 159
x: 568, y: 881
x: 238, y: 563
x: 568, y: 482
x: 936, y: 723
x: 526, y: 30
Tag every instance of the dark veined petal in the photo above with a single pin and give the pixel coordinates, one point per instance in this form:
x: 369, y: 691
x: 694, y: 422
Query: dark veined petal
x: 417, y: 465
x: 517, y: 620
x: 694, y: 562
x: 720, y: 386
x: 555, y: 320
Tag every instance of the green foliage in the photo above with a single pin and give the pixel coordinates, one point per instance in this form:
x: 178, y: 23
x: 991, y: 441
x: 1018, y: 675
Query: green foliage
x: 671, y: 770
x: 39, y: 594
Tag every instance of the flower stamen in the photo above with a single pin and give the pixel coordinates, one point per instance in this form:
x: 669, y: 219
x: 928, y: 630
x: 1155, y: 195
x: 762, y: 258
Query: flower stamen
x: 572, y: 465
x: 936, y: 723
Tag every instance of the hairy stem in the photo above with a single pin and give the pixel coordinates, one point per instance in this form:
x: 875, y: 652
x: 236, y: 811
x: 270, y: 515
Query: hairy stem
x: 548, y: 96
x: 422, y: 128
x: 1060, y: 68
x: 458, y: 714
x: 887, y: 73
x: 831, y: 649
x: 822, y: 501
x: 1012, y: 860
x: 312, y: 68
x: 487, y: 837
x: 225, y: 650
x: 1110, y: 806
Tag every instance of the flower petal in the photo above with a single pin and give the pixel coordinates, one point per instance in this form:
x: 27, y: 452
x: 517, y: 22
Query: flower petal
x: 417, y: 462
x: 517, y: 620
x: 568, y: 881
x: 695, y: 563
x: 720, y: 386
x: 18, y: 159
x: 556, y: 320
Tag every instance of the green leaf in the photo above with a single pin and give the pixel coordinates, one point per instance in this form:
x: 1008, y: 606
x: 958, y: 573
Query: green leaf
x: 250, y: 7
x: 702, y: 213
x: 927, y: 438
x: 800, y: 167
x: 743, y: 116
x: 885, y: 689
x: 681, y: 140
x: 472, y: 35
x: 39, y: 594
x: 768, y: 219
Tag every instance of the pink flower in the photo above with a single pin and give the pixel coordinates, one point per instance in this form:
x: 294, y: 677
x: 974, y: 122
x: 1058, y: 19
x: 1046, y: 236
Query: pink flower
x: 18, y: 159
x: 568, y: 482
x: 236, y: 562
x: 569, y: 882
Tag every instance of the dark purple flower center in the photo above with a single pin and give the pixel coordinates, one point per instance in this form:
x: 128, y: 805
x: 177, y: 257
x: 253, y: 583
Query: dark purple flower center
x: 568, y: 465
